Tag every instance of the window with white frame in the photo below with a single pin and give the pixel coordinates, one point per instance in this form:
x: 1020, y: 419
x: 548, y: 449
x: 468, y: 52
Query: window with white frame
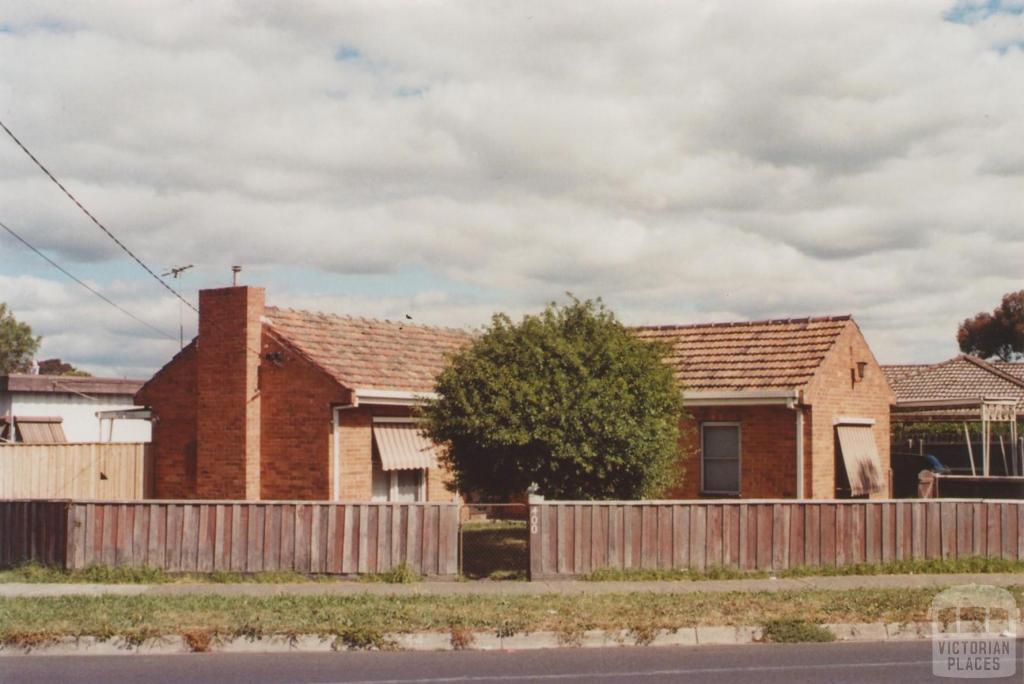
x: 399, y: 486
x: 720, y: 458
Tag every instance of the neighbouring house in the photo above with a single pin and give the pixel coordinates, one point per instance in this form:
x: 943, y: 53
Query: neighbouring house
x: 939, y: 404
x: 271, y: 403
x: 781, y: 408
x: 49, y: 409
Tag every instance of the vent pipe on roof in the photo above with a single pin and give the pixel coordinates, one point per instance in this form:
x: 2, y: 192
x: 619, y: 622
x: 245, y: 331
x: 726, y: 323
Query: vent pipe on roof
x: 235, y: 270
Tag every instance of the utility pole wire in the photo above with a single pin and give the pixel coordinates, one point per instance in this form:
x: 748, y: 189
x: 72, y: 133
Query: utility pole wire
x: 110, y: 234
x: 84, y: 284
x: 94, y: 219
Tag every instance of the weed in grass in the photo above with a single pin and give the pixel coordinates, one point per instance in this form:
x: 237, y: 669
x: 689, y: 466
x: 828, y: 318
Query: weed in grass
x: 461, y: 637
x: 795, y: 630
x: 570, y: 633
x: 643, y: 634
x: 198, y: 640
x: 620, y: 575
x: 364, y: 639
x: 401, y: 574
x: 28, y: 640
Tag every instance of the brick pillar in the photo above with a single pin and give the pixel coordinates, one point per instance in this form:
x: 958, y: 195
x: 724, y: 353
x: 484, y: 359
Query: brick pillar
x: 228, y: 420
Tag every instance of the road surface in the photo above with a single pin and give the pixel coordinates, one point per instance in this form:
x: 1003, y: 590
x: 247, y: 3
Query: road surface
x: 905, y: 663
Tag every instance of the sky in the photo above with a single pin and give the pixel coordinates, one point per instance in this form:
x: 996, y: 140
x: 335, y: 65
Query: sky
x: 685, y: 161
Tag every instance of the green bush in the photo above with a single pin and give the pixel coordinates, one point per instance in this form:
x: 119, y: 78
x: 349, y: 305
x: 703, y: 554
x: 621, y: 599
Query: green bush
x: 568, y: 400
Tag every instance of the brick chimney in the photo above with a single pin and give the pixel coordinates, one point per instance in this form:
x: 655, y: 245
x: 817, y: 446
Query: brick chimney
x: 228, y: 420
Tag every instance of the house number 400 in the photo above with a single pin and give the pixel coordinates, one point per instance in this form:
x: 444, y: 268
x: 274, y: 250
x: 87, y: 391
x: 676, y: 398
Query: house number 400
x: 534, y: 519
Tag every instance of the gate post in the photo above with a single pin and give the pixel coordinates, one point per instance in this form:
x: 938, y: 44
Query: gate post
x: 536, y: 547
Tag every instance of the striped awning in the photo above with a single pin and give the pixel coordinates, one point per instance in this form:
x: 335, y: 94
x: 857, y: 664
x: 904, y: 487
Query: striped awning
x: 403, y: 447
x: 860, y: 457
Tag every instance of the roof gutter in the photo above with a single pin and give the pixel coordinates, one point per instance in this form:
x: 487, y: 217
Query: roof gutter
x: 787, y: 398
x: 378, y: 397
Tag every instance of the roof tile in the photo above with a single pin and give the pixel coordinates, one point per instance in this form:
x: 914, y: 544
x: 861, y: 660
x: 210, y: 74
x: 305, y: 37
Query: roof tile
x: 775, y: 354
x: 362, y: 353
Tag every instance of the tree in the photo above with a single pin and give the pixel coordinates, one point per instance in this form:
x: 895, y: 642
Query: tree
x: 58, y: 367
x: 999, y: 334
x: 568, y: 400
x: 17, y: 344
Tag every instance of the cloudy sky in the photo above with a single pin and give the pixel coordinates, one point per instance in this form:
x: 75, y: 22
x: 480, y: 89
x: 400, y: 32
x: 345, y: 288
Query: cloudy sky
x: 687, y: 161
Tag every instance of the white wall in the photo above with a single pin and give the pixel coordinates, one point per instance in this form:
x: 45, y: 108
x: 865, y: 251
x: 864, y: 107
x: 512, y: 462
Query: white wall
x: 79, y: 414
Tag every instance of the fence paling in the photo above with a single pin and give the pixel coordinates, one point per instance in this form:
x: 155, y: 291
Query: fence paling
x: 198, y: 536
x: 574, y: 538
x: 116, y: 471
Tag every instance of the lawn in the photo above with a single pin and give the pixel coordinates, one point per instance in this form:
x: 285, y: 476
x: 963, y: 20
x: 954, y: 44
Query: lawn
x: 497, y: 550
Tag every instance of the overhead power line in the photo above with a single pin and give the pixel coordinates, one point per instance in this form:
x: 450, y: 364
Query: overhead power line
x: 109, y: 234
x: 94, y: 219
x: 88, y: 287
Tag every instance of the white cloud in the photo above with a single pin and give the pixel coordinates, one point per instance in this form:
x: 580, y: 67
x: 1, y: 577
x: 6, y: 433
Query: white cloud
x: 687, y: 161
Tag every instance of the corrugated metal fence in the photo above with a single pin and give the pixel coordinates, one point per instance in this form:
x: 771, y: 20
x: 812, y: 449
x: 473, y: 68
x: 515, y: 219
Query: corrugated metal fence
x: 119, y: 471
x: 203, y: 536
x: 575, y: 538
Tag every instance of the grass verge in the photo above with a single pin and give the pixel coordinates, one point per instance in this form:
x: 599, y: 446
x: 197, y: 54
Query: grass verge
x: 364, y: 621
x: 971, y: 565
x: 34, y: 573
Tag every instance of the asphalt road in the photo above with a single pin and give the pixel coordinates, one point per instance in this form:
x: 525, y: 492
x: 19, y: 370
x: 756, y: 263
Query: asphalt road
x: 905, y: 663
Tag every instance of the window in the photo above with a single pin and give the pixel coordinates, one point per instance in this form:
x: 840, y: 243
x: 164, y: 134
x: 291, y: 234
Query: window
x: 397, y: 486
x: 720, y: 458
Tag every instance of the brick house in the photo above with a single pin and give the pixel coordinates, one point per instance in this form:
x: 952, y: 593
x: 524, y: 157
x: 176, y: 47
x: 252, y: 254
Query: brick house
x: 270, y: 403
x: 784, y: 408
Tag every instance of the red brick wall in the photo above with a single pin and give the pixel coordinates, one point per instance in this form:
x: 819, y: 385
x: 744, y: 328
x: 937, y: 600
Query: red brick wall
x: 172, y: 396
x: 767, y: 450
x: 228, y: 419
x: 235, y: 426
x: 834, y: 393
x: 296, y: 424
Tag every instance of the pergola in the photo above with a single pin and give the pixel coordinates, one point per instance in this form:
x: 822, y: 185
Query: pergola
x: 984, y: 410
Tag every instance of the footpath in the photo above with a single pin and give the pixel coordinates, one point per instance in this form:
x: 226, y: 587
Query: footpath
x: 510, y: 588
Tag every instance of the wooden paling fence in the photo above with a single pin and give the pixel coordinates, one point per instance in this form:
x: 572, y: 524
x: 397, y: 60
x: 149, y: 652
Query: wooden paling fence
x: 205, y: 536
x: 118, y: 471
x: 574, y: 538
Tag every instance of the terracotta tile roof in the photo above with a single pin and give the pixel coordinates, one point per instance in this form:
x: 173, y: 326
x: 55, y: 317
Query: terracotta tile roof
x: 759, y: 355
x: 362, y: 353
x: 899, y: 371
x: 962, y: 377
x: 1014, y: 368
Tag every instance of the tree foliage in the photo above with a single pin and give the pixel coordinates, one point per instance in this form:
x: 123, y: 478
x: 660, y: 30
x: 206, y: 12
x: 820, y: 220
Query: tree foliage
x: 17, y: 343
x: 58, y: 367
x: 568, y: 400
x: 999, y: 334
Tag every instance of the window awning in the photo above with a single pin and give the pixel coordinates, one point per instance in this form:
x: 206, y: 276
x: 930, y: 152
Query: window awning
x: 860, y: 457
x: 403, y: 447
x: 39, y: 429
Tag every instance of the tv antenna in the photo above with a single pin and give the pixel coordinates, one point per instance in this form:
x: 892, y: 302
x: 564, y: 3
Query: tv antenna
x: 175, y: 272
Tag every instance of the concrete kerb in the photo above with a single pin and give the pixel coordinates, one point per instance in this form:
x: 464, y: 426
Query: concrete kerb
x: 477, y: 641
